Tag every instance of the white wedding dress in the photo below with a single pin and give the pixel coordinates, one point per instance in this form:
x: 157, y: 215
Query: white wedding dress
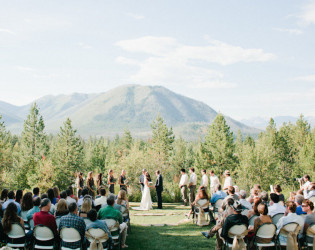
x: 146, y: 202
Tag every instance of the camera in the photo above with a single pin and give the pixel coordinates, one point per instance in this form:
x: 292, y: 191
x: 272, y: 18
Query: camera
x: 297, y: 179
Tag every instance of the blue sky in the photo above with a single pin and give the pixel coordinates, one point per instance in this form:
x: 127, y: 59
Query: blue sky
x: 243, y: 58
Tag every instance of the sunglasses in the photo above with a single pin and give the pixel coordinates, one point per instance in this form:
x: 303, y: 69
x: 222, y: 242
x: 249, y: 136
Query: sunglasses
x: 304, y: 205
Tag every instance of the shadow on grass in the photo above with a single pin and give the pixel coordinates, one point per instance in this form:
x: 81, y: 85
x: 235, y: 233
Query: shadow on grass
x: 186, y: 236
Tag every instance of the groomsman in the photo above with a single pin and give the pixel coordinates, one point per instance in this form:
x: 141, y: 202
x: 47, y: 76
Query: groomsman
x: 183, y: 185
x: 204, y: 179
x: 214, y: 181
x: 141, y: 179
x: 159, y: 188
x: 192, y: 185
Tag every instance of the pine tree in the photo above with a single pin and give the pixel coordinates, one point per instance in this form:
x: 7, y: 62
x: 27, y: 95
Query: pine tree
x: 32, y: 149
x: 67, y: 155
x: 219, y: 145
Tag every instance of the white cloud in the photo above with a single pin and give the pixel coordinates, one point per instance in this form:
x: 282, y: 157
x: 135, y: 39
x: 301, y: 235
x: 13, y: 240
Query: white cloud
x: 290, y: 97
x: 307, y: 16
x: 7, y: 31
x: 290, y: 31
x: 135, y: 16
x: 169, y: 62
x: 25, y: 69
x: 308, y: 78
x: 84, y: 46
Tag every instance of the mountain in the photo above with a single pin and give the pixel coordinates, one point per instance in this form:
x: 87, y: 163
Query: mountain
x: 262, y: 122
x: 129, y: 106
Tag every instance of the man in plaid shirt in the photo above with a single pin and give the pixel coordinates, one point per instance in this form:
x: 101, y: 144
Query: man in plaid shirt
x: 74, y: 221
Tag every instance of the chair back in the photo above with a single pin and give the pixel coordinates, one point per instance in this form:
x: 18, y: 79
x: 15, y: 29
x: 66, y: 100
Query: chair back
x: 97, y: 233
x: 43, y: 233
x: 252, y: 220
x: 204, y: 203
x: 266, y: 231
x: 17, y: 231
x: 69, y: 234
x: 218, y: 204
x: 31, y: 223
x: 123, y: 209
x: 23, y: 215
x: 312, y: 199
x: 237, y: 230
x: 112, y: 224
x: 290, y: 227
x: 276, y: 218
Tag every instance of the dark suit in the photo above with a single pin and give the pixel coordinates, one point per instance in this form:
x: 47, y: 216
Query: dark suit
x: 159, y: 190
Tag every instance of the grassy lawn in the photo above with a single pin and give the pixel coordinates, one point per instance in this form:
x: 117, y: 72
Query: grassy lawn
x: 182, y: 236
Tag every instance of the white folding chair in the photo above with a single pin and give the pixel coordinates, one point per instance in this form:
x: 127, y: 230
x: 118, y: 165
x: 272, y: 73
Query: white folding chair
x: 309, y: 239
x: 236, y: 230
x: 276, y: 218
x: 114, y: 229
x: 31, y: 223
x: 252, y: 220
x: 16, y: 237
x: 266, y: 231
x: 290, y: 227
x: 26, y: 225
x: 217, y: 206
x: 70, y: 235
x: 204, y: 204
x: 44, y: 237
x: 97, y: 233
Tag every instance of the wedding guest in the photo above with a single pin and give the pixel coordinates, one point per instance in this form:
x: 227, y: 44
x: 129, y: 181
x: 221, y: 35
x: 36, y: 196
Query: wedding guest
x: 51, y: 196
x: 4, y: 196
x: 61, y: 208
x: 228, y: 180
x: 308, y: 208
x: 278, y: 191
x: 142, y: 178
x: 254, y: 210
x: 57, y: 193
x: 35, y: 192
x: 10, y: 217
x: 18, y: 196
x: 86, y: 206
x: 201, y: 195
x: 192, y: 185
x: 214, y: 181
x: 90, y: 183
x: 44, y: 217
x: 204, y: 179
x: 307, y: 182
x: 110, y: 181
x: 275, y: 207
x: 101, y: 200
x: 69, y: 199
x: 122, y: 199
x: 243, y: 200
x: 298, y: 201
x: 99, y: 181
x: 219, y: 194
x: 122, y: 180
x: 79, y: 183
x: 27, y: 202
x: 183, y: 185
x: 264, y: 197
x: 11, y: 196
x: 35, y: 209
x: 85, y: 192
x: 311, y: 193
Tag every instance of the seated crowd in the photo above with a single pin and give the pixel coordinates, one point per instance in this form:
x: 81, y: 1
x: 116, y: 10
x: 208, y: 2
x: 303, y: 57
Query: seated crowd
x: 258, y: 209
x: 65, y: 210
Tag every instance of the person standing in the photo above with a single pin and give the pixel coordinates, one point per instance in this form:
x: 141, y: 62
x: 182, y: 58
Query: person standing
x: 111, y: 182
x: 122, y: 180
x: 141, y: 179
x: 79, y: 183
x: 228, y: 180
x: 192, y: 185
x: 90, y: 183
x: 99, y: 180
x: 183, y: 185
x: 204, y: 179
x: 214, y: 181
x: 159, y: 188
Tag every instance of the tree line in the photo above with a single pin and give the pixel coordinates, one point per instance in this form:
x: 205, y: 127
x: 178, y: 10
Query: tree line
x: 35, y: 158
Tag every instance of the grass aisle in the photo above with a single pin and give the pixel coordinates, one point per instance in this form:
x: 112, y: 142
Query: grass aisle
x: 182, y: 236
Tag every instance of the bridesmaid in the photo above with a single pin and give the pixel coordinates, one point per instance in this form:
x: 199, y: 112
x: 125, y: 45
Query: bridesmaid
x: 99, y: 181
x: 90, y: 183
x: 111, y: 182
x: 80, y: 184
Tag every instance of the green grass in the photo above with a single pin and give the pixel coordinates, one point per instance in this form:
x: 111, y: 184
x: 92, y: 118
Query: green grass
x: 183, y: 236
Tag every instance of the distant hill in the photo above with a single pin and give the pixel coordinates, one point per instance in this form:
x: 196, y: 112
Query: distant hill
x: 262, y: 122
x: 129, y: 106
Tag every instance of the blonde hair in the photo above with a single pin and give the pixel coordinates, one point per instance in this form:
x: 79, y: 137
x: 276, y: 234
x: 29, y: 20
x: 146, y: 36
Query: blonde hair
x: 62, y: 206
x: 86, y: 205
x: 122, y: 196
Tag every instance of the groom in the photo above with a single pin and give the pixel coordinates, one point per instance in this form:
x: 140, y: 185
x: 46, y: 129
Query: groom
x: 159, y: 188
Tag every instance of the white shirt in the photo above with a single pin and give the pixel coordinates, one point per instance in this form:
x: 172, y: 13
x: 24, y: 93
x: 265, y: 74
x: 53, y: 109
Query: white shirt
x: 246, y: 204
x: 100, y: 201
x: 193, y: 179
x: 291, y: 217
x: 214, y: 180
x: 184, y: 180
x: 227, y: 182
x: 204, y: 180
x: 276, y: 208
x: 70, y: 200
x: 309, y: 194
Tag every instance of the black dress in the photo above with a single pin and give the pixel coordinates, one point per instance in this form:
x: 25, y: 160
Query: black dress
x: 111, y: 186
x: 122, y: 181
x: 92, y: 186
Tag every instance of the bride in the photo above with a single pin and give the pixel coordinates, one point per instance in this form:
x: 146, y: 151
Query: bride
x: 146, y: 202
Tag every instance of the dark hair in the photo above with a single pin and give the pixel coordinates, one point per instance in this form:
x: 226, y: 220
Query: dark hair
x: 230, y: 201
x: 68, y: 192
x: 204, y: 171
x: 147, y: 175
x: 27, y: 202
x: 10, y: 216
x: 36, y: 201
x: 19, y: 195
x: 63, y: 195
x: 277, y: 188
x: 257, y: 201
x: 158, y: 171
x: 231, y: 189
x: 85, y: 191
x: 56, y: 191
x: 92, y: 215
x: 99, y: 176
x: 262, y: 209
x: 211, y: 172
x: 102, y: 191
x: 51, y: 194
x: 183, y: 170
x: 218, y: 186
x: 274, y: 197
x: 264, y: 196
x: 202, y: 193
x: 11, y: 195
x: 72, y: 207
x: 36, y: 191
x: 44, y: 196
x: 291, y: 206
x: 309, y: 203
x: 4, y: 194
x: 111, y: 200
x: 192, y: 169
x: 307, y: 176
x: 71, y: 190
